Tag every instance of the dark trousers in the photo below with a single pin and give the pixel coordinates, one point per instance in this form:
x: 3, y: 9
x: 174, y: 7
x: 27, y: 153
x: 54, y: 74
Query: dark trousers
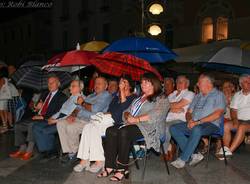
x: 23, y: 132
x: 44, y: 136
x: 117, y: 145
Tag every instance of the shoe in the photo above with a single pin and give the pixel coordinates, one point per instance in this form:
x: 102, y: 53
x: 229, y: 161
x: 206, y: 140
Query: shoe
x: 105, y: 173
x: 196, y: 159
x: 204, y: 150
x: 170, y: 154
x: 69, y: 160
x: 95, y: 168
x: 16, y: 154
x: 228, y: 153
x: 81, y: 167
x: 27, y: 156
x: 178, y: 163
x: 124, y: 174
x: 47, y: 156
x: 4, y: 129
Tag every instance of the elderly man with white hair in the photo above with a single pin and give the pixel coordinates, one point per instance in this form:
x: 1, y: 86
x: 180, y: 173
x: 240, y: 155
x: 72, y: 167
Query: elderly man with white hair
x: 179, y: 100
x: 240, y: 115
x: 203, y: 118
x: 44, y: 133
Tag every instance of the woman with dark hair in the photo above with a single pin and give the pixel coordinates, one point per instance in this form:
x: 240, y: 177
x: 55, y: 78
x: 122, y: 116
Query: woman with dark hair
x: 141, y: 119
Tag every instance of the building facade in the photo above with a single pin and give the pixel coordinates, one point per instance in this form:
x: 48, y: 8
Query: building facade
x: 60, y: 28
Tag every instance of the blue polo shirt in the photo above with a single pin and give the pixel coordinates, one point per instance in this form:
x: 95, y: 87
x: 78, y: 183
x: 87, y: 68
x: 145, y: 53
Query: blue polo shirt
x: 202, y: 106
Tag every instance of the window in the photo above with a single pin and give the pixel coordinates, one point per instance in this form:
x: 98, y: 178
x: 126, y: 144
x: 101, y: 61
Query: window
x: 29, y: 30
x: 105, y: 6
x: 221, y: 28
x: 5, y: 38
x: 65, y: 8
x: 106, y: 32
x: 21, y: 33
x: 65, y: 40
x: 12, y: 35
x: 84, y: 35
x: 207, y: 30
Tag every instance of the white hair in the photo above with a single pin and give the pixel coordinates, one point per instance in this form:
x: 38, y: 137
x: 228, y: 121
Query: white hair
x: 242, y: 77
x: 183, y: 76
x: 81, y: 84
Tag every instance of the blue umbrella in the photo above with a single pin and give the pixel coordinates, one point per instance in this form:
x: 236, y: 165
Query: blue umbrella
x: 145, y: 48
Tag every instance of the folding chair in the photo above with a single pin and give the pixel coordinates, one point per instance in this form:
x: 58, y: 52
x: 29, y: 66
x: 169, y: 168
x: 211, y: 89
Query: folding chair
x: 162, y: 140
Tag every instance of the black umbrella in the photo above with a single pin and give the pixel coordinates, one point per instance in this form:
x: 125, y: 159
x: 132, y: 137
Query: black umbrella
x: 36, y: 78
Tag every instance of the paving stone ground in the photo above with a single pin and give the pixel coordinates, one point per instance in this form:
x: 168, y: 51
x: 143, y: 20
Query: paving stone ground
x: 13, y: 171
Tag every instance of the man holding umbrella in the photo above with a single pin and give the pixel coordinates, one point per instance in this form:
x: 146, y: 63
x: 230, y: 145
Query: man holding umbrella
x: 49, y: 104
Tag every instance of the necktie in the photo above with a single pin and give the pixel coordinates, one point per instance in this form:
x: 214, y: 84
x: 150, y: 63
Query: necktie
x: 46, y: 105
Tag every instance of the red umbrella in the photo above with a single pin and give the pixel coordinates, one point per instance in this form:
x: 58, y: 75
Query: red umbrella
x: 118, y: 64
x: 67, y: 61
x: 56, y: 59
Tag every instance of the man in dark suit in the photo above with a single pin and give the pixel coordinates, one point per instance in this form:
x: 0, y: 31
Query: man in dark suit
x: 49, y: 104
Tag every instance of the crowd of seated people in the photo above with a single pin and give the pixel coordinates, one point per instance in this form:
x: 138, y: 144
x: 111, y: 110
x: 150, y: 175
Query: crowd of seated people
x: 95, y: 132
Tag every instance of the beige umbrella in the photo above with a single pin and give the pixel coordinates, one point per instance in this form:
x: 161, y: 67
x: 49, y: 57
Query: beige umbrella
x: 95, y: 46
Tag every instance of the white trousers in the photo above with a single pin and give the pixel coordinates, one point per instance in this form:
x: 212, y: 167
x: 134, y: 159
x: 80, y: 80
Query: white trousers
x: 90, y: 147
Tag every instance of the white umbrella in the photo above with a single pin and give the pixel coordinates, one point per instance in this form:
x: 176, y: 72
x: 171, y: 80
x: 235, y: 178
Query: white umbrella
x: 232, y: 56
x: 230, y: 59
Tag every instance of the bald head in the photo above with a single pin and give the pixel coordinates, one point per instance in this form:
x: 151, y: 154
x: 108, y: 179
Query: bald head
x: 101, y: 84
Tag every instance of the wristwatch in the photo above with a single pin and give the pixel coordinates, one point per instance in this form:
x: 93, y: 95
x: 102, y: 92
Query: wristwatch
x: 199, y: 122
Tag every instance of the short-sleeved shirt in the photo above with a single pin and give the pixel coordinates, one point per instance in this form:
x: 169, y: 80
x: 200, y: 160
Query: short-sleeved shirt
x: 202, y: 106
x: 99, y: 103
x: 241, y: 103
x: 173, y: 97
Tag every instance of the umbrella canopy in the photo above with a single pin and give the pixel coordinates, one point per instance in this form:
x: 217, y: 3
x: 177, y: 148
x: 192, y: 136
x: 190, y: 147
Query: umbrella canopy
x: 145, y: 48
x: 118, y: 64
x: 56, y: 59
x: 70, y: 61
x: 33, y: 63
x: 95, y: 46
x: 230, y: 59
x: 203, y: 52
x: 35, y: 78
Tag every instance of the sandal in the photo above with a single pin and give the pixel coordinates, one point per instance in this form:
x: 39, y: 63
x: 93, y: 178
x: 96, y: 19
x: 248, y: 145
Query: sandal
x: 124, y: 173
x: 105, y: 173
x: 4, y: 129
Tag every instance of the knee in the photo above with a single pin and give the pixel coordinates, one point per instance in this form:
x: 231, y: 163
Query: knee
x: 123, y: 133
x: 70, y: 129
x: 111, y: 132
x: 241, y: 129
x: 227, y: 127
x: 197, y: 131
x: 172, y: 129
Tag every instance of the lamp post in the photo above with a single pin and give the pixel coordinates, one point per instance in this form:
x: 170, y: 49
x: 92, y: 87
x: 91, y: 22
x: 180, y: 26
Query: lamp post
x: 154, y: 12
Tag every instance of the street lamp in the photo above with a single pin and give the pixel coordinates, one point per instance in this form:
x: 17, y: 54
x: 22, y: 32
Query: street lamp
x: 156, y: 9
x: 154, y: 30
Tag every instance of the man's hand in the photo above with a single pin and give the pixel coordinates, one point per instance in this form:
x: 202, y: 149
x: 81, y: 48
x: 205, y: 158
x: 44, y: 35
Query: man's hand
x: 52, y: 121
x: 191, y: 124
x: 177, y: 110
x: 39, y: 105
x: 80, y: 100
x: 71, y: 119
x: 37, y: 117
